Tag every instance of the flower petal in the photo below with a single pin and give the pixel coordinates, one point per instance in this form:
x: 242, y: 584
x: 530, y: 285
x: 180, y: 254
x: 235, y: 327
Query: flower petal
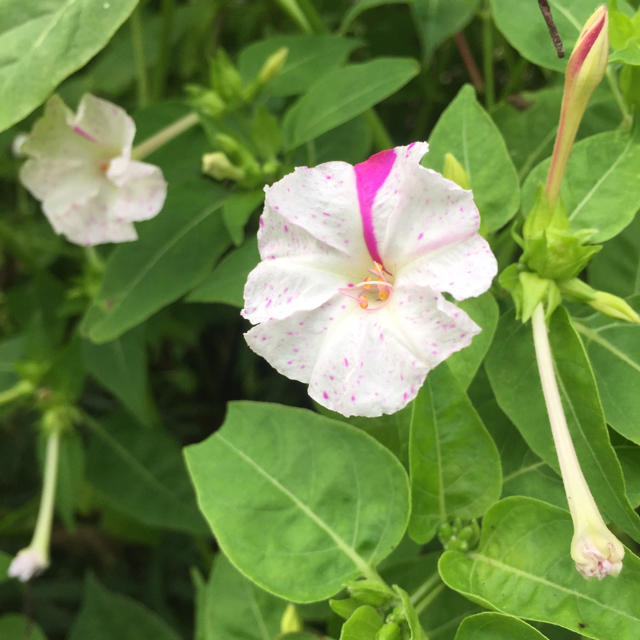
x: 464, y: 269
x: 53, y: 137
x: 323, y: 201
x: 106, y: 124
x: 141, y: 192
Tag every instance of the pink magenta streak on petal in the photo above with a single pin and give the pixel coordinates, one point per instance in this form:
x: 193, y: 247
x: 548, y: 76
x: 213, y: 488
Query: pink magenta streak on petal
x: 84, y: 134
x: 370, y: 176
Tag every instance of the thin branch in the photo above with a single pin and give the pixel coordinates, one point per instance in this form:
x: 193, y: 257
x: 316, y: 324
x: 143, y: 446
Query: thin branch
x: 551, y: 25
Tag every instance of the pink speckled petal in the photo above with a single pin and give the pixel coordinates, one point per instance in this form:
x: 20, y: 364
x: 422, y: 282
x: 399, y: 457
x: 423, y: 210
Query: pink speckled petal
x: 464, y: 269
x: 107, y: 124
x: 141, y: 191
x: 88, y: 223
x: 53, y: 137
x: 280, y: 287
x: 323, y: 201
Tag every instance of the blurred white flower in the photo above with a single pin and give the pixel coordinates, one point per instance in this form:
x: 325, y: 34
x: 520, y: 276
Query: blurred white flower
x: 29, y: 562
x: 80, y: 167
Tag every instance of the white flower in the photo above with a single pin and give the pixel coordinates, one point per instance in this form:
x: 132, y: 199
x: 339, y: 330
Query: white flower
x: 80, y: 167
x: 347, y: 297
x: 29, y: 562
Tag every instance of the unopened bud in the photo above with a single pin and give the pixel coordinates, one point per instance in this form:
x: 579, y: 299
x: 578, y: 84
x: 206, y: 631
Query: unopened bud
x: 290, y: 621
x: 586, y: 68
x: 611, y: 305
x: 455, y: 172
x: 273, y: 65
x: 218, y: 166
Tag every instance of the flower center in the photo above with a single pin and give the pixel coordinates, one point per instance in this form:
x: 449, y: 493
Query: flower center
x: 374, y: 291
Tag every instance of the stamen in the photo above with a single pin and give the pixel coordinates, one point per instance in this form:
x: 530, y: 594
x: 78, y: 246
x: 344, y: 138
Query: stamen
x: 370, y: 293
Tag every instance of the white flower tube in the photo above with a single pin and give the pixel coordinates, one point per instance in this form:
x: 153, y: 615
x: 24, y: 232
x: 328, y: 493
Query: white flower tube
x: 594, y: 549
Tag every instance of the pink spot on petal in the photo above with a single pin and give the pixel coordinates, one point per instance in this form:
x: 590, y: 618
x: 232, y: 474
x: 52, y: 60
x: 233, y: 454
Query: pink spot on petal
x: 325, y: 395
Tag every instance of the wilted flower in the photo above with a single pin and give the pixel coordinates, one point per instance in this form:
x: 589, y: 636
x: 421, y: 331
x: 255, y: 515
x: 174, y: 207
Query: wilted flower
x: 80, y: 167
x: 348, y: 297
x: 28, y: 563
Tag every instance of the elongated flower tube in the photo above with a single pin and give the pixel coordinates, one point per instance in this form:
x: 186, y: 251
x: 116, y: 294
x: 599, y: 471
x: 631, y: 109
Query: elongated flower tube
x: 34, y: 559
x: 594, y: 549
x: 80, y: 167
x: 348, y: 295
x: 585, y: 69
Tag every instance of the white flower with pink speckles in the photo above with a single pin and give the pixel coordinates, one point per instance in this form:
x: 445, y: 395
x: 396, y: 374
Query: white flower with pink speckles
x: 348, y: 295
x: 80, y: 167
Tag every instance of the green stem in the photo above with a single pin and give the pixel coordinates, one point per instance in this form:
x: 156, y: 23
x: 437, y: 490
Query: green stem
x: 381, y: 137
x: 163, y: 136
x: 42, y: 532
x: 137, y: 41
x: 617, y: 94
x: 162, y: 67
x: 313, y: 17
x: 22, y: 388
x: 487, y: 58
x: 428, y: 599
x: 93, y: 259
x: 292, y: 8
x: 426, y: 587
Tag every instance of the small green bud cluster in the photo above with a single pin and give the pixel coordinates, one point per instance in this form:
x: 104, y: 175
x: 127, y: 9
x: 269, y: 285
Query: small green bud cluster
x: 458, y: 535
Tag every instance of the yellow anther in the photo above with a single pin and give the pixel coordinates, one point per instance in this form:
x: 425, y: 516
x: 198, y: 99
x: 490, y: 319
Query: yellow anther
x: 364, y: 303
x: 383, y: 293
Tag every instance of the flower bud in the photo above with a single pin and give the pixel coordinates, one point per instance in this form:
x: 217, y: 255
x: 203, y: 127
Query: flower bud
x: 28, y: 563
x: 607, y: 303
x: 455, y: 172
x: 218, y: 166
x: 290, y: 621
x: 273, y: 65
x: 585, y: 70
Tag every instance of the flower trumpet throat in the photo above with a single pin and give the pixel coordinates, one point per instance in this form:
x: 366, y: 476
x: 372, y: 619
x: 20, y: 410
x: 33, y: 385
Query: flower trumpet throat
x: 586, y: 68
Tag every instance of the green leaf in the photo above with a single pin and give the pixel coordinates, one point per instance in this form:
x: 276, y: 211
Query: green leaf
x: 11, y: 350
x: 527, y: 31
x: 616, y: 268
x: 484, y: 312
x: 614, y: 350
x: 106, y: 615
x: 226, y: 282
x: 466, y: 130
x: 230, y: 606
x: 523, y: 568
x: 360, y: 6
x: 174, y: 252
x: 15, y: 626
x: 237, y: 210
x: 142, y: 476
x: 601, y: 186
x: 437, y: 20
x: 363, y: 624
x: 342, y: 94
x: 325, y: 499
x: 121, y: 367
x: 624, y: 32
x: 455, y: 466
x: 511, y: 366
x: 41, y: 43
x: 350, y: 142
x: 5, y: 561
x: 496, y: 626
x: 309, y: 57
x: 416, y: 632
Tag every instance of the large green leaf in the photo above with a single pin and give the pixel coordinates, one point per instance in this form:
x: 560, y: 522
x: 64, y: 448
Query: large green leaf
x: 464, y: 364
x: 11, y: 350
x: 121, y: 367
x: 466, y: 130
x: 616, y: 268
x: 360, y: 6
x: 601, y: 186
x: 142, y: 475
x: 511, y: 366
x: 300, y: 503
x: 437, y: 20
x: 44, y: 41
x: 174, y: 252
x: 342, y: 94
x: 226, y: 282
x: 455, y: 466
x: 614, y: 350
x: 106, y: 615
x: 230, y: 606
x: 526, y: 29
x: 496, y: 626
x: 309, y: 57
x: 14, y: 626
x: 523, y: 568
